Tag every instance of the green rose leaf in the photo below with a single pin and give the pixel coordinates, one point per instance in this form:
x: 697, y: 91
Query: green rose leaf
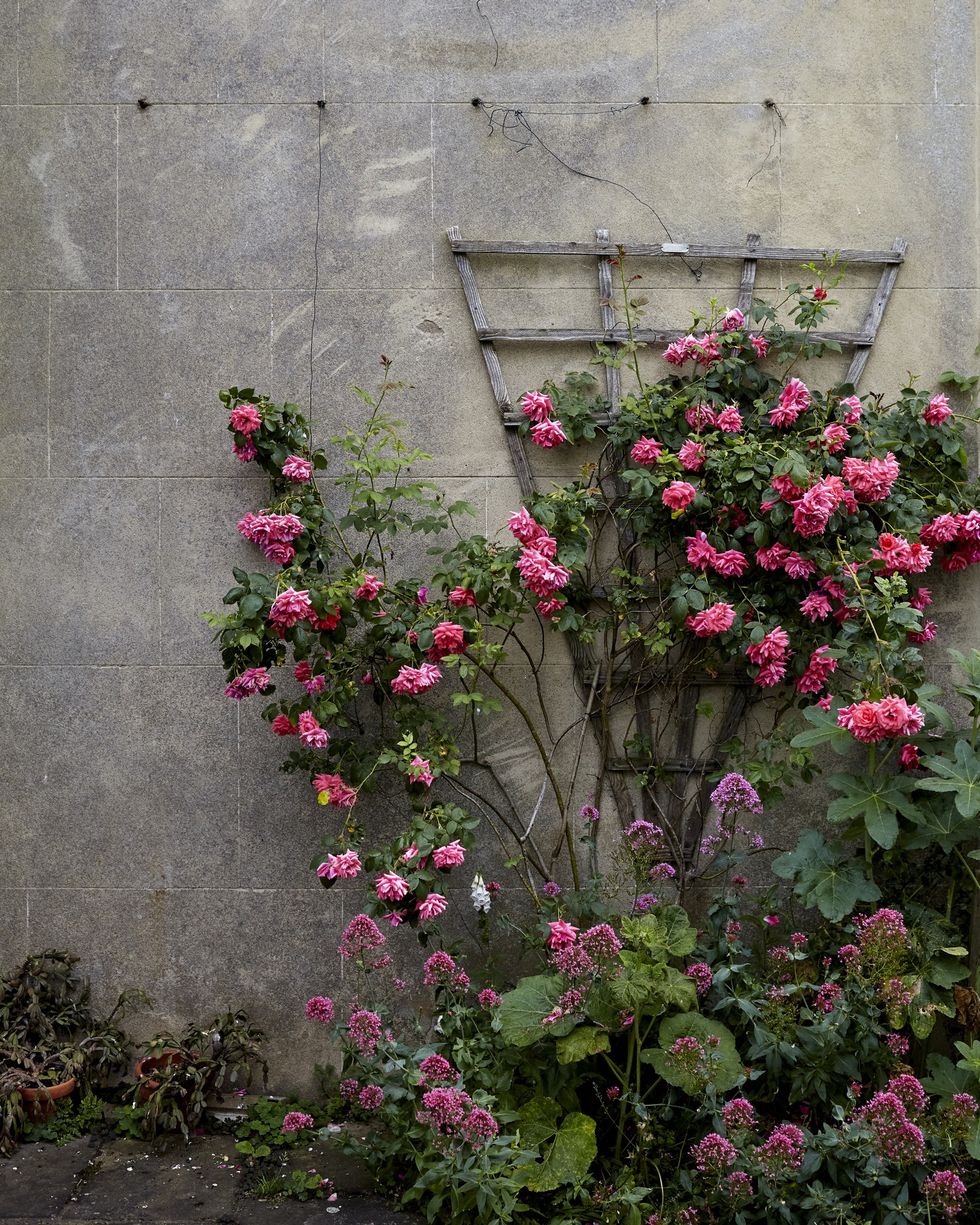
x: 583, y: 1041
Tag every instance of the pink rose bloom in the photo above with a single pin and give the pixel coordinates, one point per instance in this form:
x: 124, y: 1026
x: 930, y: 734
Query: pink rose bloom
x: 700, y: 553
x: 297, y: 469
x: 896, y: 717
x: 773, y: 557
x: 871, y: 479
x: 562, y: 933
x: 730, y: 420
x: 714, y: 620
x: 699, y: 417
x: 836, y: 437
x: 922, y: 598
x: 731, y: 563
x: 448, y: 638
x: 969, y: 525
x: 680, y: 351
x: 390, y: 887
x: 796, y: 395
x: 938, y: 411
x: 282, y: 725
x: 909, y: 757
x: 706, y: 350
x: 798, y: 567
x: 678, y: 495
x: 311, y: 733
x: 246, y: 452
x: 340, y: 867
x: 760, y: 344
x: 733, y: 320
x: 415, y: 680
x: 541, y: 575
x: 816, y: 607
x: 335, y: 789
x: 245, y: 419
x: 449, y: 856
x: 691, y: 455
x: 941, y: 530
x: 431, y: 906
x: 290, y: 607
x: 646, y: 451
x: 536, y: 405
x: 817, y: 671
x: 252, y: 680
x: 926, y: 634
x: 861, y: 720
x: 281, y: 554
x: 419, y: 771
x: 773, y: 647
x: 462, y: 597
x: 548, y: 433
x: 548, y: 608
x: 369, y: 588
x: 315, y: 685
x: 525, y: 527
x: 853, y: 406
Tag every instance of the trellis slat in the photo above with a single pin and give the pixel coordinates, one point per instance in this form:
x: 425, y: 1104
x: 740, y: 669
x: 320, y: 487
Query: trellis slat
x: 746, y: 289
x: 783, y: 255
x: 653, y: 336
x: 608, y: 316
x: 876, y: 312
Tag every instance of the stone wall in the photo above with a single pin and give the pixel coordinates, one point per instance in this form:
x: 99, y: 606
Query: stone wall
x: 151, y: 256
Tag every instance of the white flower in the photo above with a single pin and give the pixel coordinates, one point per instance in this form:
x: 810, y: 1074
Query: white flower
x: 479, y: 894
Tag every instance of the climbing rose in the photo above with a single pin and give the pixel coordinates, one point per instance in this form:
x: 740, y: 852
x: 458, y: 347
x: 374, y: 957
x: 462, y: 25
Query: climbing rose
x: 415, y: 680
x: 335, y: 789
x: 311, y: 733
x: 245, y: 419
x: 369, y: 587
x: 419, y: 771
x: 714, y: 620
x: 548, y: 433
x: 449, y: 856
x: 732, y: 320
x: 938, y: 411
x: 678, y: 495
x: 252, y: 680
x: 282, y: 725
x: 646, y: 451
x: 730, y: 420
x: 536, y: 405
x: 730, y: 564
x: 462, y: 597
x: 448, y: 638
x: 391, y: 887
x: 691, y: 455
x: 871, y: 479
x: 431, y: 906
x: 562, y: 933
x: 340, y: 867
x: 817, y: 671
x: 297, y: 469
x: 760, y: 344
x: 290, y: 607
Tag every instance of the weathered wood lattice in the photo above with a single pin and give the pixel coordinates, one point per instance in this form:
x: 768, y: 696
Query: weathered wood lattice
x: 684, y: 769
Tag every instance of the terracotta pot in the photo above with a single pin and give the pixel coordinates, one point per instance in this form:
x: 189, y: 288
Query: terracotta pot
x: 39, y: 1104
x: 148, y: 1065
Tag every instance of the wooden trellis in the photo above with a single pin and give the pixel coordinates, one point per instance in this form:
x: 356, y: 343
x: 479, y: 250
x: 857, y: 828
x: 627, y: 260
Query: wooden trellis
x: 684, y: 766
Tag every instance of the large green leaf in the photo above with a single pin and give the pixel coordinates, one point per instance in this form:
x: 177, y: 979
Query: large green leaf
x: 826, y: 876
x: 824, y: 731
x: 566, y: 1151
x: 665, y: 932
x: 519, y: 1015
x: 937, y: 823
x: 583, y: 1041
x: 653, y: 986
x: 874, y: 802
x: 726, y: 1065
x: 946, y: 1078
x: 961, y: 776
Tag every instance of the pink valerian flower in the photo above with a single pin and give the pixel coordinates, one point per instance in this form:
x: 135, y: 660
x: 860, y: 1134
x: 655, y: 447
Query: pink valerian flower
x: 415, y: 680
x: 444, y: 1110
x: 821, y: 665
x: 282, y: 725
x: 738, y: 1115
x: 488, y: 998
x: 909, y: 1091
x: 536, y: 405
x: 908, y: 758
x: 371, y: 1098
x: 541, y: 575
x: 946, y: 1192
x: 714, y: 1154
x: 390, y: 887
x: 714, y: 620
x: 447, y: 639
x: 419, y: 771
x: 895, y: 1135
x: 700, y: 554
x: 938, y: 411
x: 439, y: 970
x: 871, y: 479
x: 296, y: 1120
x: 335, y: 789
x: 700, y: 416
x: 462, y: 597
x: 561, y: 933
x: 548, y: 433
x: 431, y: 906
x: 361, y: 935
x: 816, y: 607
x: 245, y: 419
x: 364, y: 1030
x: 729, y: 420
x: 436, y: 1068
x: 311, y: 733
x: 732, y: 320
x: 646, y: 451
x: 449, y: 856
x: 827, y: 996
x: 252, y: 680
x: 691, y: 455
x: 349, y: 1089
x: 760, y: 344
x: 644, y: 836
x: 736, y: 794
x: 345, y: 866
x: 297, y: 469
x: 369, y: 587
x: 320, y: 1008
x: 898, y: 1044
x: 730, y: 564
x: 700, y: 972
x: 290, y: 607
x: 782, y: 1153
x: 601, y: 942
x: 836, y: 437
x: 678, y: 495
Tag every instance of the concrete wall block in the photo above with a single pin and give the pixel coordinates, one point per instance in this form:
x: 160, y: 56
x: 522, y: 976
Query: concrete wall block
x: 214, y: 197
x: 135, y: 380
x: 23, y: 384
x: 58, y: 197
x: 451, y: 51
x: 105, y: 792
x: 98, y: 584
x: 184, y: 51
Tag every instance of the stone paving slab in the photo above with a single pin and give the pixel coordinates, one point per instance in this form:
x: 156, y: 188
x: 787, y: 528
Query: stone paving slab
x: 124, y: 1182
